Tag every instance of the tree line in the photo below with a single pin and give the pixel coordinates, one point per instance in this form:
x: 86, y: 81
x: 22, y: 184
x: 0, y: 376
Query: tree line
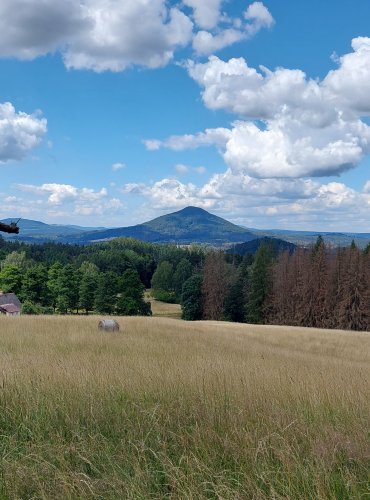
x: 108, y: 278
x: 315, y: 287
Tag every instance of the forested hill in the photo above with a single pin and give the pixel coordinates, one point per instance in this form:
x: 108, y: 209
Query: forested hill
x: 189, y: 225
x: 250, y: 247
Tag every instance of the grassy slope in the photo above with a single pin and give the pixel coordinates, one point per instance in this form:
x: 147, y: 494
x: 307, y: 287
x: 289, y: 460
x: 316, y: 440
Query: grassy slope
x: 168, y: 409
x: 163, y: 309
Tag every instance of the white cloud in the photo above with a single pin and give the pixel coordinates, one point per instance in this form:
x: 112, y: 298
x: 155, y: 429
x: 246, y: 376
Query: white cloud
x: 113, y: 35
x: 94, y: 34
x: 301, y: 127
x: 169, y: 194
x: 267, y: 202
x: 58, y: 193
x: 210, y: 137
x: 126, y: 33
x: 181, y: 169
x: 65, y: 202
x: 257, y: 17
x: 206, y: 12
x: 118, y: 166
x: 19, y: 133
x: 32, y: 28
x: 206, y: 43
x: 351, y: 81
x: 367, y: 187
x: 288, y: 148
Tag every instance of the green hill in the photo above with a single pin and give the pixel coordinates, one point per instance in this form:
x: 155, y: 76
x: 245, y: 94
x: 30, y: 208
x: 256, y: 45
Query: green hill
x: 189, y: 225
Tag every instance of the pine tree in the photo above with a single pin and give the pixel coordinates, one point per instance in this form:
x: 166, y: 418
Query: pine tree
x: 260, y: 283
x: 68, y: 285
x: 234, y: 305
x: 87, y: 291
x: 191, y: 298
x: 54, y: 283
x: 106, y: 293
x: 131, y: 298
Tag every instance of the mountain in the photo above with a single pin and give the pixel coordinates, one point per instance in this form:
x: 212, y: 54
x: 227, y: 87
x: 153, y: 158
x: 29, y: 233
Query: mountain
x: 36, y: 231
x: 189, y: 225
x: 251, y: 247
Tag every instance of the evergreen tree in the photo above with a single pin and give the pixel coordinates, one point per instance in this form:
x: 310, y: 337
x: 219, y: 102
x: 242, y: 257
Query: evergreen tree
x: 182, y: 273
x: 54, y: 283
x: 191, y: 298
x: 68, y: 284
x: 260, y: 283
x: 234, y: 308
x: 87, y: 290
x: 131, y: 298
x: 106, y: 293
x: 88, y: 284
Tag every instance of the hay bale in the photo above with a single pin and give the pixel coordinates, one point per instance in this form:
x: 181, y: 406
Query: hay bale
x: 108, y: 325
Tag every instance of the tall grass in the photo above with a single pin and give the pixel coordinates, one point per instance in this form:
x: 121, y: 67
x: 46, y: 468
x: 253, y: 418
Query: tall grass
x: 168, y: 409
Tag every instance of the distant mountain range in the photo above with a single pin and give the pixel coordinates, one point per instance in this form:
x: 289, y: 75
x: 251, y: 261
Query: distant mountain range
x: 189, y: 225
x: 36, y: 231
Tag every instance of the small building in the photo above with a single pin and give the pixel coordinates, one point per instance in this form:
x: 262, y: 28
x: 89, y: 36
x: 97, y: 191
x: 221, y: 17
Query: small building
x: 10, y: 304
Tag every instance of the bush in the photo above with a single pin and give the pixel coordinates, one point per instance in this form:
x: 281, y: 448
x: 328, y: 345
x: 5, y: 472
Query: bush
x: 164, y: 296
x: 29, y: 307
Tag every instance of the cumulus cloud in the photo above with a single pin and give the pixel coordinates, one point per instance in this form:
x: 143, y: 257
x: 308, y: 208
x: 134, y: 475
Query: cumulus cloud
x: 169, y: 194
x: 285, y: 202
x: 32, y: 28
x: 19, y: 132
x: 144, y: 32
x: 105, y: 35
x: 350, y: 81
x: 206, y: 12
x: 58, y: 193
x: 65, y: 200
x: 257, y: 17
x: 291, y: 126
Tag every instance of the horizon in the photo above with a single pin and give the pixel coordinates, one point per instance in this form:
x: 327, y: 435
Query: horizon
x: 256, y: 112
x: 93, y: 228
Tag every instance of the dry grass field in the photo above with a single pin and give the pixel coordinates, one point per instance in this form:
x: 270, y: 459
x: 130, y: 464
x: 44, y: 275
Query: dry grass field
x: 168, y: 409
x: 163, y: 309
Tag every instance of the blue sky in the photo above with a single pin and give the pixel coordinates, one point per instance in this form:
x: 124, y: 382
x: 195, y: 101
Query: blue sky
x: 113, y: 112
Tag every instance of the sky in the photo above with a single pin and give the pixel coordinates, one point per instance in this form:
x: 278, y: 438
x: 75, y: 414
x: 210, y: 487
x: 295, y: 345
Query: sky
x: 113, y: 112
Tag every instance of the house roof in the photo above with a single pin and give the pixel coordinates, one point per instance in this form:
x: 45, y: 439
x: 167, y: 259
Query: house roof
x: 10, y: 308
x: 10, y: 298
